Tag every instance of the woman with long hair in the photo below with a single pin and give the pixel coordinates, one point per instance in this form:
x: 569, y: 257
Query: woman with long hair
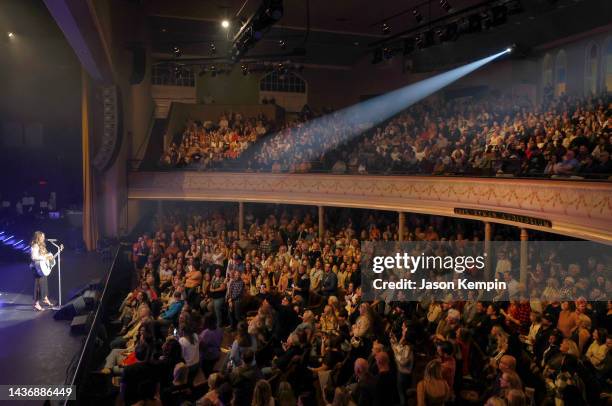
x: 433, y: 389
x: 39, y: 254
x: 262, y: 395
x: 285, y: 395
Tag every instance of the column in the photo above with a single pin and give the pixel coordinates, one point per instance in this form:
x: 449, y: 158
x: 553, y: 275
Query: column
x: 401, y: 222
x: 487, y: 248
x: 524, y: 256
x: 240, y: 218
x: 321, y: 222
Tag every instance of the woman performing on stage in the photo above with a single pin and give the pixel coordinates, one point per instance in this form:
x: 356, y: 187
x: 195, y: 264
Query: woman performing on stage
x: 40, y: 256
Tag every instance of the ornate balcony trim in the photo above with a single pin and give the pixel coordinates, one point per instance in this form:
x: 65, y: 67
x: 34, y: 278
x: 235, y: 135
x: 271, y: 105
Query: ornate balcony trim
x: 575, y: 208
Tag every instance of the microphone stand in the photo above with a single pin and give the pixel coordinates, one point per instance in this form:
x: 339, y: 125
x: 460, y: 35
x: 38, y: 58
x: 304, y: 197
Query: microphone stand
x: 59, y: 273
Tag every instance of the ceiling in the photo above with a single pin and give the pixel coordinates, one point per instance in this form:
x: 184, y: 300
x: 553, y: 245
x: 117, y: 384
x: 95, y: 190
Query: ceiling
x: 338, y: 33
x: 334, y: 33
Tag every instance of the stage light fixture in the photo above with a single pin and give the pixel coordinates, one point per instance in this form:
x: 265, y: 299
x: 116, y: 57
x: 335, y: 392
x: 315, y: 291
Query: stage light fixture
x: 245, y: 70
x: 225, y: 24
x: 213, y: 48
x: 176, y: 50
x: 448, y: 32
x: 386, y: 29
x: 446, y: 6
x: 417, y: 15
x: 11, y: 34
x: 282, y: 44
x: 472, y: 24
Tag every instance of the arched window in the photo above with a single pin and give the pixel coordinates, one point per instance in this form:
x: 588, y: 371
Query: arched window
x: 287, y: 90
x: 282, y: 82
x: 547, y: 71
x: 560, y: 73
x: 608, y: 66
x: 590, y: 73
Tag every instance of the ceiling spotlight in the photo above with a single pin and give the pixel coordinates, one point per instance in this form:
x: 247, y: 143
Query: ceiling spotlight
x: 386, y: 29
x: 225, y: 24
x: 245, y: 70
x: 176, y: 50
x: 282, y: 44
x: 446, y: 6
x: 417, y: 15
x: 213, y: 48
x: 11, y: 34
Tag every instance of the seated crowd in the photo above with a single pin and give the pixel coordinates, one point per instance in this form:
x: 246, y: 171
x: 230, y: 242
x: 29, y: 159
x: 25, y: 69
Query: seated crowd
x: 299, y: 333
x: 204, y: 145
x: 489, y: 135
x: 492, y: 134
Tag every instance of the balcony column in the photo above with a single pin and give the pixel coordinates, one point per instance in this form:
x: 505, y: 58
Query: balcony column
x: 487, y: 249
x: 401, y: 223
x: 524, y: 256
x: 240, y: 218
x: 321, y: 222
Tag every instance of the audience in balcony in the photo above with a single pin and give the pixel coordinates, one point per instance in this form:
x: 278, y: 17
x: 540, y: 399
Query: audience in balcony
x: 206, y: 144
x: 488, y: 135
x: 295, y: 332
x: 492, y: 134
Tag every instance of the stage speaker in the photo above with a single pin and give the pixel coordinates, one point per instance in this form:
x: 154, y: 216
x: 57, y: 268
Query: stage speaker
x: 81, y: 324
x: 77, y: 306
x: 139, y: 65
x: 112, y: 130
x: 94, y: 284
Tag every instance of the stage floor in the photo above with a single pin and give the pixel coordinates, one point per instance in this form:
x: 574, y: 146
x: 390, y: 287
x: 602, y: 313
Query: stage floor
x: 35, y: 349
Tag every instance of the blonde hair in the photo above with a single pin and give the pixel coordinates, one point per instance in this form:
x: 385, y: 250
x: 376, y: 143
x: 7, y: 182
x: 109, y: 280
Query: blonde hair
x: 573, y: 348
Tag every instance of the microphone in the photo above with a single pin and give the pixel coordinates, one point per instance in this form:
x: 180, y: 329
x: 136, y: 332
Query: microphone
x: 51, y: 239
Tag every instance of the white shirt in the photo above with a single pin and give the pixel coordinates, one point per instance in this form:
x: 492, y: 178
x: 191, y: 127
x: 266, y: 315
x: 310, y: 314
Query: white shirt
x: 191, y: 352
x: 35, y: 253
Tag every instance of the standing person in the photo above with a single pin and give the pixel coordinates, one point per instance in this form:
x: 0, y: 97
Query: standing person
x: 190, y: 348
x: 217, y: 293
x: 235, y: 291
x: 39, y: 256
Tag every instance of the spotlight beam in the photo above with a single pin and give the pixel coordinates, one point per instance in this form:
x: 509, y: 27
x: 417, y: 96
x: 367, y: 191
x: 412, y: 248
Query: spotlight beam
x: 363, y: 116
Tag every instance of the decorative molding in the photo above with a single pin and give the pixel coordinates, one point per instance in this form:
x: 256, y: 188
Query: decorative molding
x: 575, y: 208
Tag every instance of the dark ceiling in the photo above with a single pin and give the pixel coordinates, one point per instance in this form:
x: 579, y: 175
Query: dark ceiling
x: 340, y: 32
